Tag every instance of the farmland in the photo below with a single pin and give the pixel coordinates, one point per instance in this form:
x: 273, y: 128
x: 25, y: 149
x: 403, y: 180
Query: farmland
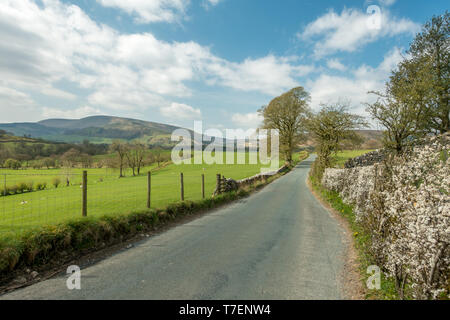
x: 343, y: 156
x: 107, y: 194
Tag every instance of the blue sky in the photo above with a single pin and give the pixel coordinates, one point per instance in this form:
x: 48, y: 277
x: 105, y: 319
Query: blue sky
x: 176, y: 61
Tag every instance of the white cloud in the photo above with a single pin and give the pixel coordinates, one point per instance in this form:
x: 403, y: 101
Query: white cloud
x: 16, y: 106
x: 336, y: 64
x: 210, y: 3
x: 387, y: 3
x: 151, y: 11
x: 352, y: 29
x: 43, y: 45
x: 329, y: 89
x: 146, y: 11
x: 181, y: 111
x: 247, y: 120
x: 270, y: 74
x: 77, y: 113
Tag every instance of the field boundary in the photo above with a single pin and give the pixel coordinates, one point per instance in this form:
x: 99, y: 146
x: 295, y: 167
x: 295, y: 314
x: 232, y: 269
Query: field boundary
x: 52, y: 247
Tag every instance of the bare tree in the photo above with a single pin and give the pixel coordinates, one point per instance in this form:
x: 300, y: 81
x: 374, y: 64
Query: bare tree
x: 121, y: 149
x: 135, y: 156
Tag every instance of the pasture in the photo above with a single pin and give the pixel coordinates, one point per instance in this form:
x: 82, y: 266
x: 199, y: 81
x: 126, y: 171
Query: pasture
x: 106, y: 193
x: 343, y: 156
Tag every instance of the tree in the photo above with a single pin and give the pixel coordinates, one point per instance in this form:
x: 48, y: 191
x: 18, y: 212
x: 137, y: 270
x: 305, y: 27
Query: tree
x: 401, y: 109
x: 85, y: 160
x: 159, y: 157
x: 352, y: 142
x: 49, y: 163
x: 433, y: 46
x: 330, y: 126
x: 70, y: 158
x: 150, y: 159
x: 37, y: 149
x: 135, y: 156
x: 12, y: 164
x: 139, y: 154
x: 287, y: 113
x: 121, y: 149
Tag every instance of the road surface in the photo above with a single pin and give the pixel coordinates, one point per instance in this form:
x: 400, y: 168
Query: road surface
x: 279, y: 243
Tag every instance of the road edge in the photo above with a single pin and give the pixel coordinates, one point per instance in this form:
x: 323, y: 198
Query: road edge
x: 350, y: 278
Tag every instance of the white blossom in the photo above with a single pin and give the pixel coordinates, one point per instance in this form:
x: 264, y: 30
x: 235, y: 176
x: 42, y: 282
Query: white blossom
x: 405, y: 204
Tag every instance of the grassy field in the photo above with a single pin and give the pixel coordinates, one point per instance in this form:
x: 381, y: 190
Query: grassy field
x: 343, y: 156
x: 107, y: 194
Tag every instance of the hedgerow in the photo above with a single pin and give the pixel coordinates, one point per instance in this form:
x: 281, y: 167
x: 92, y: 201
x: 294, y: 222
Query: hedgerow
x: 404, y: 203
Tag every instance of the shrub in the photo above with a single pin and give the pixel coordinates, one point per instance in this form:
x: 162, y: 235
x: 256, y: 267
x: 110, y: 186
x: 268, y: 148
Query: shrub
x: 30, y: 186
x: 11, y: 190
x: 56, y: 182
x: 21, y: 187
x: 41, y: 185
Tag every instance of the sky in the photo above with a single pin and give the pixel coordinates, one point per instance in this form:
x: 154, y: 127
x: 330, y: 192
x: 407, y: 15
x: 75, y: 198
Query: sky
x: 176, y: 61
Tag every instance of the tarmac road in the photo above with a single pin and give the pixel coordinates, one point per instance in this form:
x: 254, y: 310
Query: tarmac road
x: 280, y: 243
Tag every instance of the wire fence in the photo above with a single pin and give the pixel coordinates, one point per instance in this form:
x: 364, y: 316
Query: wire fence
x: 31, y: 200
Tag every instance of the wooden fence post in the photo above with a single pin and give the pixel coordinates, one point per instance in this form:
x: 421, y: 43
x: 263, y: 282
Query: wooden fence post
x: 182, y: 186
x: 218, y: 184
x: 149, y: 188
x: 84, y: 186
x: 203, y: 186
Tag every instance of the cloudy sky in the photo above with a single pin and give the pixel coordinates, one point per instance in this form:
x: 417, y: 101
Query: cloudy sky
x: 175, y: 61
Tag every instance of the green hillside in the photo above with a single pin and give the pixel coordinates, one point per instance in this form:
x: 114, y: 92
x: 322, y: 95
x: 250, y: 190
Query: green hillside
x: 97, y: 129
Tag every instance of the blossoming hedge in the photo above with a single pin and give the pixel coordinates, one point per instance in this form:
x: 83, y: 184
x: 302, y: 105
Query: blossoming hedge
x: 404, y: 203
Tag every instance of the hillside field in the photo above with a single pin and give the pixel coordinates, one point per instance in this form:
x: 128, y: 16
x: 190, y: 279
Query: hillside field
x: 107, y: 194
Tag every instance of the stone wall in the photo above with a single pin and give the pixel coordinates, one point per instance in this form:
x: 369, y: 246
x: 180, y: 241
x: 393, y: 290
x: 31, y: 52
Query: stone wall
x: 368, y: 159
x: 228, y: 185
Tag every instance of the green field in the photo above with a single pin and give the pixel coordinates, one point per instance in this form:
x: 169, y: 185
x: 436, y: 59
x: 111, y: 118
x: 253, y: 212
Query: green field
x: 343, y: 156
x: 107, y: 194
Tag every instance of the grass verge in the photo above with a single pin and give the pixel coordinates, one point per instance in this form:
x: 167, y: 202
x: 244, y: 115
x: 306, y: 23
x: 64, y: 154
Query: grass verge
x: 52, y: 245
x: 362, y: 242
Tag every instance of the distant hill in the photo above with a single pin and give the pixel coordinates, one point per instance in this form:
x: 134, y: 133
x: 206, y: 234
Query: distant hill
x: 7, y: 138
x: 97, y: 129
x: 371, y: 139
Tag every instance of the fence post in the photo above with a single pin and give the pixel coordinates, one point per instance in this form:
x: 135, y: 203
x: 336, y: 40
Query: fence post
x: 149, y: 188
x: 4, y: 190
x: 84, y: 208
x: 203, y: 186
x: 218, y: 184
x: 182, y: 186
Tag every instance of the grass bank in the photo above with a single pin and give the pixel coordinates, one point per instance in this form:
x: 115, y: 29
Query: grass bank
x: 57, y: 244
